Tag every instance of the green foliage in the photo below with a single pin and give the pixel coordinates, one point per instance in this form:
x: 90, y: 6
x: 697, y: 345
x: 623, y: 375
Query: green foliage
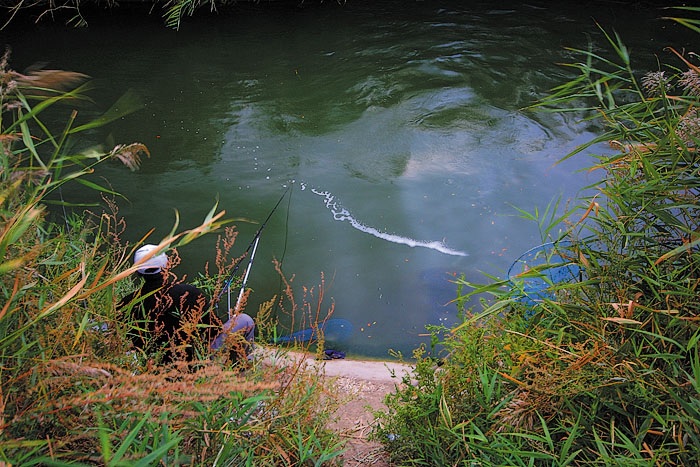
x: 602, y: 369
x: 71, y: 392
x: 173, y: 11
x: 693, y: 24
x: 139, y: 441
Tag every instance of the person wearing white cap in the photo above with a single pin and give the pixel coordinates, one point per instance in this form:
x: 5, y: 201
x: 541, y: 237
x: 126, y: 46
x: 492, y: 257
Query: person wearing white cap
x: 167, y: 313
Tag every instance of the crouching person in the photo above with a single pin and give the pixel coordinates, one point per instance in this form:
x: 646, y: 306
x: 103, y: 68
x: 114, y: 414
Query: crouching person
x: 170, y: 317
x: 238, y: 336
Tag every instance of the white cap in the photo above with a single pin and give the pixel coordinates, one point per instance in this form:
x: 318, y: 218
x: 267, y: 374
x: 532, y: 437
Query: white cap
x: 153, y: 265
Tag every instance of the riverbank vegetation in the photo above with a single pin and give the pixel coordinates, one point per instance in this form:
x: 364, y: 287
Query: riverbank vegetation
x: 77, y: 13
x: 71, y: 390
x: 599, y: 365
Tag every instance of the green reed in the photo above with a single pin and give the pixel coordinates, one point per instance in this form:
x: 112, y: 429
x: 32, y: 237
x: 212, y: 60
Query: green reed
x: 604, y: 369
x: 71, y: 393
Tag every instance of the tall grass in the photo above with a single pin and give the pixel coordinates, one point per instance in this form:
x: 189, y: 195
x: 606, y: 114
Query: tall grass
x: 603, y: 369
x: 72, y: 392
x: 73, y: 12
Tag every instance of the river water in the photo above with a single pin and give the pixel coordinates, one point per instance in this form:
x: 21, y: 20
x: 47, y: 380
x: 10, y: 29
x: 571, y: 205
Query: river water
x: 397, y: 127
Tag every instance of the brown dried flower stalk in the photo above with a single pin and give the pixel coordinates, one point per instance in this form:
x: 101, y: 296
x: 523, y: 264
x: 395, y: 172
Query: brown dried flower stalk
x: 690, y: 82
x: 654, y: 82
x: 49, y: 80
x: 688, y: 128
x: 130, y: 154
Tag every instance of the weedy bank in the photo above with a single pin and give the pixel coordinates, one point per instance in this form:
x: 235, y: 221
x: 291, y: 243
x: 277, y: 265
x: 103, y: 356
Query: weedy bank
x: 601, y: 367
x: 72, y: 392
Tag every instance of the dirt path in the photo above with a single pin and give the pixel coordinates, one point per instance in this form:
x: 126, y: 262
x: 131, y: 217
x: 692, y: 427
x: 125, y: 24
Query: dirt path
x: 355, y: 419
x: 361, y: 387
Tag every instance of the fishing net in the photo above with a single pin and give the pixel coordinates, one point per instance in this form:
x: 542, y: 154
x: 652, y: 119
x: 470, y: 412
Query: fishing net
x: 538, y: 272
x: 334, y: 330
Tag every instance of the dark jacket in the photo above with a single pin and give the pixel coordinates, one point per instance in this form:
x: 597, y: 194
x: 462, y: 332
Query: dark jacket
x: 168, y: 317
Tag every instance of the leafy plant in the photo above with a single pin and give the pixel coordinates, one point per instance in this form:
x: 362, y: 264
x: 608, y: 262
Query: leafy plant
x: 602, y: 367
x: 71, y: 392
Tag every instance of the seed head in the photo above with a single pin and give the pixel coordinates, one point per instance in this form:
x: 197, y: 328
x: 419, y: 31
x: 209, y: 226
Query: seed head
x: 690, y: 82
x: 655, y: 83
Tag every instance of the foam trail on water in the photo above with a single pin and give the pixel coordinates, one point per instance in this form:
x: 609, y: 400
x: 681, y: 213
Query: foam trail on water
x: 342, y: 214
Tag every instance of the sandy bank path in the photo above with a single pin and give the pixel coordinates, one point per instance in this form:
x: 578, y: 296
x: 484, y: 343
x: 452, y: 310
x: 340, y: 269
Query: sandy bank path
x: 361, y: 386
x: 366, y: 370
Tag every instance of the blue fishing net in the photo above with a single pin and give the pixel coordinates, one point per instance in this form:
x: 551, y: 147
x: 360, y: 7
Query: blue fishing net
x: 334, y: 330
x: 535, y: 275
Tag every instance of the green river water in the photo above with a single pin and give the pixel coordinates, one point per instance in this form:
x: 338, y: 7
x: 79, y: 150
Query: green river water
x: 398, y: 125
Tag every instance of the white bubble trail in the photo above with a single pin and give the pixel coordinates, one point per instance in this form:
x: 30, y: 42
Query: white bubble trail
x: 342, y: 214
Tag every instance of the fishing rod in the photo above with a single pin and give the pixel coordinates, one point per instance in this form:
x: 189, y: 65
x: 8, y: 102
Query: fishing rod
x: 245, y: 279
x: 253, y: 245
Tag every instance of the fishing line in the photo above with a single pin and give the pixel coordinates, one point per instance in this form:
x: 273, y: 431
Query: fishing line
x: 252, y: 248
x: 286, y: 228
x: 281, y: 261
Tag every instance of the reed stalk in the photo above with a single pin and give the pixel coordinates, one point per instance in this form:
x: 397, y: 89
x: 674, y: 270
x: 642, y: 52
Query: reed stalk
x: 603, y: 367
x: 72, y: 392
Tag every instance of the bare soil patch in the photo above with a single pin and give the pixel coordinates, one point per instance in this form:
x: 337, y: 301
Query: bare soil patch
x: 354, y: 420
x: 359, y: 387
